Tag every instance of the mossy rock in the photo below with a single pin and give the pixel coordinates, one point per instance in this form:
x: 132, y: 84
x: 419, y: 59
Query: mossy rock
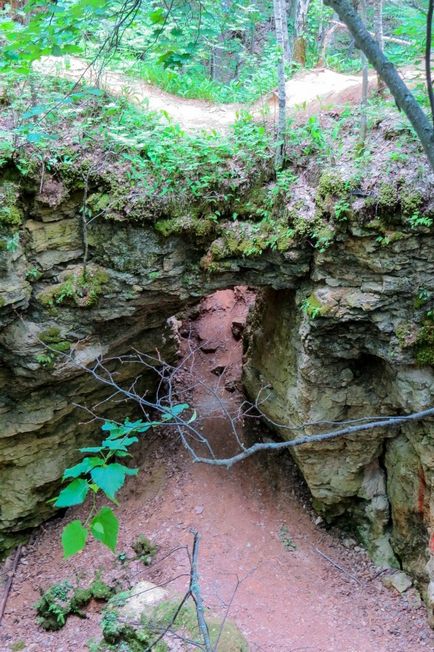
x: 144, y: 549
x: 80, y: 290
x: 10, y: 214
x: 63, y: 599
x: 425, y: 344
x: 123, y: 626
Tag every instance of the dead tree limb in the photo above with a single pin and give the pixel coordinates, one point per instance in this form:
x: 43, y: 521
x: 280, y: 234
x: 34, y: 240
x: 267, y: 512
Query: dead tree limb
x: 388, y: 39
x: 9, y: 582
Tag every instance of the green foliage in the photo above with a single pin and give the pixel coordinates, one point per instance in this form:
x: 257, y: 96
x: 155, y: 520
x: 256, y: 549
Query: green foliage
x: 286, y: 539
x: 100, y: 471
x: 63, y: 599
x: 417, y: 220
x: 82, y: 290
x: 312, y: 307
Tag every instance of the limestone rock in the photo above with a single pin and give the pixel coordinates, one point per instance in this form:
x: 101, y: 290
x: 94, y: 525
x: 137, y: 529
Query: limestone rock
x: 142, y: 597
x: 399, y: 581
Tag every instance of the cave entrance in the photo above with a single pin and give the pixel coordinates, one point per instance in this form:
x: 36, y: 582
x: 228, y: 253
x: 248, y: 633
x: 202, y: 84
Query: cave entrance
x: 210, y: 341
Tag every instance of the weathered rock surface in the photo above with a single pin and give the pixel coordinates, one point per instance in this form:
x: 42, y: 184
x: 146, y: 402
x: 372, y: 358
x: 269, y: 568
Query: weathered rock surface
x: 337, y: 335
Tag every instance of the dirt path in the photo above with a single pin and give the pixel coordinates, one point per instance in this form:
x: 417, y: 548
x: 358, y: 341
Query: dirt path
x: 290, y: 600
x: 307, y: 92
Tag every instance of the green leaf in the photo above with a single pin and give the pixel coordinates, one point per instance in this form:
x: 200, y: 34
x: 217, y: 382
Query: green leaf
x: 74, y: 537
x: 119, y: 445
x: 175, y: 411
x: 73, y: 494
x: 105, y: 527
x: 157, y: 16
x: 83, y: 467
x: 111, y: 478
x: 92, y: 449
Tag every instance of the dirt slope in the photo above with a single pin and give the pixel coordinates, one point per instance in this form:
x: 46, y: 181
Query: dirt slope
x: 307, y: 92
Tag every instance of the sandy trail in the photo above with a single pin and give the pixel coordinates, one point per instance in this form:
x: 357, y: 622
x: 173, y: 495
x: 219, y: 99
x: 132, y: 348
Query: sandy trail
x: 307, y: 93
x: 290, y: 600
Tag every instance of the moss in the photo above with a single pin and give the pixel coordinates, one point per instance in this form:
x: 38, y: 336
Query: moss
x: 82, y: 290
x: 406, y: 333
x: 53, y: 607
x: 425, y: 344
x: 313, y: 307
x: 144, y: 549
x: 100, y: 590
x: 17, y: 646
x: 61, y: 347
x: 2, y: 302
x: 50, y: 335
x: 62, y: 599
x: 231, y: 639
x: 411, y: 200
x: 198, y: 225
x: 10, y: 214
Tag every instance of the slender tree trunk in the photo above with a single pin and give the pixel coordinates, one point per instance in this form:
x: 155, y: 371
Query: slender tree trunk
x: 379, y: 35
x: 287, y: 49
x: 428, y: 49
x: 365, y: 83
x: 281, y: 121
x: 388, y: 73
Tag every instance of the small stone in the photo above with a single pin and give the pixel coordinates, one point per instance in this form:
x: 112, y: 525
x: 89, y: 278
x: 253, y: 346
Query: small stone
x: 218, y: 370
x: 348, y: 542
x: 142, y: 596
x: 414, y: 599
x: 199, y: 509
x: 237, y: 329
x: 399, y: 581
x: 209, y: 347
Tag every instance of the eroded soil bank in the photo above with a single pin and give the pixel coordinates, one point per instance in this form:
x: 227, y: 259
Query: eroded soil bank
x: 290, y: 598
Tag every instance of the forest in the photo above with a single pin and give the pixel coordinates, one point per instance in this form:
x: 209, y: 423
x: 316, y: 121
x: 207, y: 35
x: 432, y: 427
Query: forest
x: 216, y: 325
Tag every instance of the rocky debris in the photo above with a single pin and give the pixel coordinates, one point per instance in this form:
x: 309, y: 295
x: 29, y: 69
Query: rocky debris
x: 399, y: 581
x: 210, y: 347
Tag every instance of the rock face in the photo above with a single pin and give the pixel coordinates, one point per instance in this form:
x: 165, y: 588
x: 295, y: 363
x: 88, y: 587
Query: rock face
x: 339, y: 348
x: 338, y: 335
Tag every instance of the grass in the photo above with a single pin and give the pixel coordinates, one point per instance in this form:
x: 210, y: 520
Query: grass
x: 258, y: 76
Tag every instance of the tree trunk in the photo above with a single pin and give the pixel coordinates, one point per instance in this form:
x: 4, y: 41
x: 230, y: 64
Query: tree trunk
x: 365, y: 83
x: 388, y: 73
x: 299, y: 11
x: 281, y: 121
x: 287, y: 49
x: 379, y: 35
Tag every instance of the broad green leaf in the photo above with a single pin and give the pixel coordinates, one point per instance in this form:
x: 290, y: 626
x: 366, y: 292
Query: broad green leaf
x: 105, y: 527
x: 83, y: 467
x: 74, y: 537
x: 73, y: 494
x: 119, y: 444
x: 111, y: 478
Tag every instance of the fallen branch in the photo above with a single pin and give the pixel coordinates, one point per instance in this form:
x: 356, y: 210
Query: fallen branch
x: 389, y: 39
x: 311, y: 439
x: 336, y: 565
x: 9, y: 582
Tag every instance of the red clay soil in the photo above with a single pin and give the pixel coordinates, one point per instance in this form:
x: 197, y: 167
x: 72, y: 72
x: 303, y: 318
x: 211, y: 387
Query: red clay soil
x: 289, y: 599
